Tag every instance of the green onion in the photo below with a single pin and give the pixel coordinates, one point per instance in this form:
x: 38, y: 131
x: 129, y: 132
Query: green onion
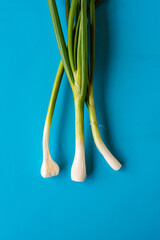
x: 75, y: 63
x: 112, y: 161
x: 49, y: 167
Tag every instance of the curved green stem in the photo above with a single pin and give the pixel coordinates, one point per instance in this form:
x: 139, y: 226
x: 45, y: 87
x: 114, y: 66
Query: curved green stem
x: 70, y: 33
x: 76, y: 40
x: 60, y: 40
x: 67, y: 7
x: 79, y: 59
x: 49, y: 167
x: 112, y: 161
x: 77, y: 11
x: 54, y: 93
x: 84, y: 54
x: 92, y: 39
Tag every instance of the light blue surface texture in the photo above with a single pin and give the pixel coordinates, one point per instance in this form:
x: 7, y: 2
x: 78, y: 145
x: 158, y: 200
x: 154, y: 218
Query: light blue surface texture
x: 122, y: 205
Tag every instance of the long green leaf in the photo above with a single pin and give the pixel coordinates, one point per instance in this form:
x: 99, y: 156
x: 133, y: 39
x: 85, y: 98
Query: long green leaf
x: 79, y: 56
x: 67, y: 7
x: 54, y: 93
x: 70, y: 33
x: 60, y: 40
x: 84, y: 55
x: 77, y: 11
x: 92, y: 39
x: 76, y: 40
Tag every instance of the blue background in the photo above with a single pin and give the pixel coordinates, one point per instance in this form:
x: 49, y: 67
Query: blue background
x: 108, y: 205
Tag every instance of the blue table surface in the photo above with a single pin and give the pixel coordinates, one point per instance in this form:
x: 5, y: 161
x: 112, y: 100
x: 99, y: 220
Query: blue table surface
x: 108, y: 205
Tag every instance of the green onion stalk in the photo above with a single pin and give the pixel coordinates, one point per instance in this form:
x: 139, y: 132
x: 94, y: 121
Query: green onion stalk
x: 77, y: 75
x: 112, y: 161
x: 49, y: 167
x: 78, y: 170
x: 74, y: 60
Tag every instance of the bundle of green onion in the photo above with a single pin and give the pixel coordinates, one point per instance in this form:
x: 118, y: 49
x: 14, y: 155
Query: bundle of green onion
x: 75, y: 62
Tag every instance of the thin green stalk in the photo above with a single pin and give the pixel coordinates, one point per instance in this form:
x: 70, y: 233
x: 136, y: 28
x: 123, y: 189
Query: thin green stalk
x: 112, y: 161
x: 49, y: 167
x: 70, y: 33
x: 54, y: 93
x: 78, y: 9
x: 76, y: 40
x: 60, y: 40
x: 79, y: 120
x: 92, y: 114
x: 79, y: 59
x: 92, y: 39
x: 67, y: 7
x: 84, y: 73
